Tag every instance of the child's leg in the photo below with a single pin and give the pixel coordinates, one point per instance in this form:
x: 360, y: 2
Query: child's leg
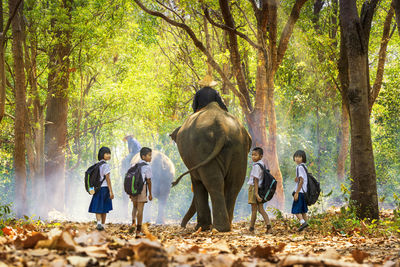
x: 140, y: 207
x: 134, y: 212
x: 305, y: 216
x: 103, y: 218
x: 263, y: 213
x: 98, y: 218
x: 299, y: 216
x: 253, y: 215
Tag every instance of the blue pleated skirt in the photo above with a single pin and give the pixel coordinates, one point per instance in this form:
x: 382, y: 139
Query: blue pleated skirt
x: 300, y: 205
x: 101, y: 202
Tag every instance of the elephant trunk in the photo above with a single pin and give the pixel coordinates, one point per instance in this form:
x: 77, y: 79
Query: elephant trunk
x: 217, y: 149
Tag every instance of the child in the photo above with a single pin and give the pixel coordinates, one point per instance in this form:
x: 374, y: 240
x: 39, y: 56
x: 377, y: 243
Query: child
x: 101, y: 201
x: 139, y: 200
x: 299, y: 207
x: 255, y: 180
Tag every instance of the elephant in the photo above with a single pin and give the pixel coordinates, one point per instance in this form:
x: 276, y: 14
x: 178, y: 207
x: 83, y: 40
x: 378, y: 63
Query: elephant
x: 214, y: 146
x: 163, y: 171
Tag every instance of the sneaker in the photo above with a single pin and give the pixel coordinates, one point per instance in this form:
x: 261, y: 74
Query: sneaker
x: 100, y: 227
x: 269, y: 228
x: 303, y: 226
x: 251, y: 229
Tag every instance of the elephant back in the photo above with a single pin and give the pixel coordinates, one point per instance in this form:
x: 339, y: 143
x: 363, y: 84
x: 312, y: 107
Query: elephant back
x: 200, y: 131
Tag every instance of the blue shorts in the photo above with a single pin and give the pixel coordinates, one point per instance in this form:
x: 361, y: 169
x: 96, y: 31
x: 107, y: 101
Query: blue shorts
x: 300, y: 205
x: 101, y: 201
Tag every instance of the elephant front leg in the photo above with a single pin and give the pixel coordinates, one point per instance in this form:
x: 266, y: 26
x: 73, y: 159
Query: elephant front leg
x: 202, y: 208
x: 161, y: 211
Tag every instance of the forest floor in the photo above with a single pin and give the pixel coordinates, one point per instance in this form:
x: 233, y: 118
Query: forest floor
x: 79, y: 244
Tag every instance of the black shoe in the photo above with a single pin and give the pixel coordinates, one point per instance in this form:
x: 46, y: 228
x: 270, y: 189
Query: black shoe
x: 251, y: 229
x: 100, y: 227
x: 269, y: 227
x: 303, y: 226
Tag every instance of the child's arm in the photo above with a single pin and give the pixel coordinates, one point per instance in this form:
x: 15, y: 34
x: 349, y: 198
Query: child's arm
x: 259, y: 199
x: 299, y: 186
x: 148, y: 182
x: 109, y: 185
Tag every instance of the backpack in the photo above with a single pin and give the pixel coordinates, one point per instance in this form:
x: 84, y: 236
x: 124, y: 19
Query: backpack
x: 268, y: 185
x: 92, y: 178
x: 313, y: 188
x: 133, y: 183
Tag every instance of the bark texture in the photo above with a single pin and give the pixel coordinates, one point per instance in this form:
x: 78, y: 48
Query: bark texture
x: 56, y: 116
x: 355, y: 42
x: 20, y: 109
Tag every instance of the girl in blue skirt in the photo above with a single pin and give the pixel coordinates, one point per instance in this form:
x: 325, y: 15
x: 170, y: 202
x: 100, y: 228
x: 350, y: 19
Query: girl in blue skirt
x: 299, y: 206
x: 101, y: 201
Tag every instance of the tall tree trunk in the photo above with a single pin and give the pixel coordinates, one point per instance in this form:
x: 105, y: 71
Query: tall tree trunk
x: 2, y: 63
x: 20, y: 109
x: 363, y: 191
x: 56, y: 115
x: 344, y: 138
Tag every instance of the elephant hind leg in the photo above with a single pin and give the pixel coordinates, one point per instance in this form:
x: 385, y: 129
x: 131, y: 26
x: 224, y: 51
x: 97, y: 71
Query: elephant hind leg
x: 189, y: 214
x: 161, y: 211
x: 201, y: 204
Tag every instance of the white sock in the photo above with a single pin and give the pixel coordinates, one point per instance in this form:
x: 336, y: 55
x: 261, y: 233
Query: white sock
x: 302, y: 221
x: 98, y: 222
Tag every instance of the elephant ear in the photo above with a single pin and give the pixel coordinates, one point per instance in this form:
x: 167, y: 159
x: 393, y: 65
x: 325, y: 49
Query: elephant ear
x: 174, y: 134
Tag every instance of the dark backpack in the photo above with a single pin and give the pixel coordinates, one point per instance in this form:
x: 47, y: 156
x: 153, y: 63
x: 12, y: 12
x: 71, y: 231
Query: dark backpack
x: 133, y: 183
x: 93, y: 179
x: 268, y: 185
x: 313, y: 188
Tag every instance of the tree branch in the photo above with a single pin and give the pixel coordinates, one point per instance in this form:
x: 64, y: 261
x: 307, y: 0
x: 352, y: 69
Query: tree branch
x: 396, y: 6
x: 382, y: 58
x: 366, y: 16
x: 202, y: 48
x: 9, y: 20
x: 227, y: 28
x: 288, y: 30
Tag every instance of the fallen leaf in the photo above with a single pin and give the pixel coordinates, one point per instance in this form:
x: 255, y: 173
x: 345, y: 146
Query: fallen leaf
x: 359, y: 255
x: 79, y: 261
x: 331, y: 253
x: 39, y: 252
x: 94, y: 238
x: 147, y: 233
x: 30, y: 240
x: 150, y: 253
x: 8, y: 231
x: 193, y: 249
x: 124, y: 253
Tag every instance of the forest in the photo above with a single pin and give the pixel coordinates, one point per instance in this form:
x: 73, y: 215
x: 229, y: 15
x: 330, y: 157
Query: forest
x: 321, y: 76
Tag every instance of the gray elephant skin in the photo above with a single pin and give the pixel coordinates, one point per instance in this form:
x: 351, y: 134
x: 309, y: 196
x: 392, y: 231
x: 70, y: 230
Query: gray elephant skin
x: 214, y: 146
x: 163, y: 171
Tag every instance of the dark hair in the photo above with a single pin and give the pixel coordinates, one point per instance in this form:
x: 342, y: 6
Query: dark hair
x: 144, y: 151
x: 103, y: 151
x: 259, y: 150
x: 302, y: 154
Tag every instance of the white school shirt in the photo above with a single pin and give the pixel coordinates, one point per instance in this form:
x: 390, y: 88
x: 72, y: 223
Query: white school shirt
x: 301, y: 172
x: 256, y: 172
x: 104, y: 170
x: 146, y: 170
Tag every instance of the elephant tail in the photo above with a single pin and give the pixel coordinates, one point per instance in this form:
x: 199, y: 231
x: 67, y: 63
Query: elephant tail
x: 217, y: 148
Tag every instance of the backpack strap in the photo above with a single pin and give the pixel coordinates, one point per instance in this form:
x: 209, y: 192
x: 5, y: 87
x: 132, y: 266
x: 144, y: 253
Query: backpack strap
x: 305, y: 169
x: 101, y: 163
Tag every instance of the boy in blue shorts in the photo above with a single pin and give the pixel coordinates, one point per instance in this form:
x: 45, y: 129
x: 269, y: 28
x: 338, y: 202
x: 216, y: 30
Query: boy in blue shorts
x: 299, y: 206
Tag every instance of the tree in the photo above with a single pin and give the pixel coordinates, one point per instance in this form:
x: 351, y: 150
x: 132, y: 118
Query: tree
x: 20, y: 107
x: 360, y: 96
x: 57, y: 108
x: 269, y: 53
